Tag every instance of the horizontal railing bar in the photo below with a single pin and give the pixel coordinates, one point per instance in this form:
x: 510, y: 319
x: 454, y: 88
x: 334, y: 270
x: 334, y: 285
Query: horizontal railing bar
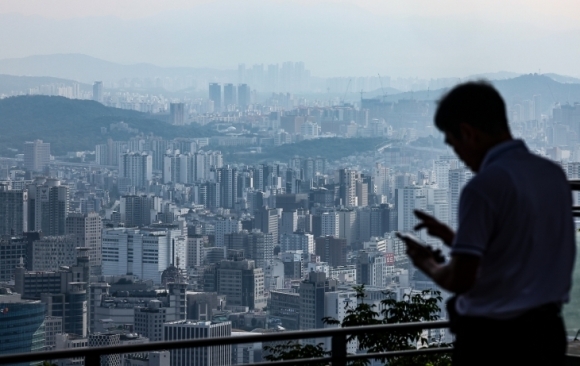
x: 207, y: 342
x: 362, y: 356
x: 408, y: 352
x: 299, y: 361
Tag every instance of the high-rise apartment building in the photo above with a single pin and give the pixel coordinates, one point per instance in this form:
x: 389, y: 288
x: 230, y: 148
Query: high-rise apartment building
x: 14, y: 251
x: 205, y: 160
x: 236, y: 241
x: 285, y: 305
x: 195, y: 246
x: 458, y: 178
x: 52, y: 327
x: 109, y: 153
x: 199, y: 356
x: 409, y: 199
x: 215, y: 95
x: 48, y: 206
x: 382, y: 180
x: 255, y: 245
x: 289, y: 222
x: 331, y: 250
x: 177, y: 111
x: 225, y: 226
x: 138, y: 211
x: 260, y: 248
x: 362, y: 192
x: 441, y: 168
x: 347, y: 182
x: 347, y: 225
x: 266, y: 220
x: 36, y: 155
x: 312, y: 292
x: 297, y: 241
x: 49, y: 253
x: 137, y: 167
x: 244, y: 99
x: 86, y: 230
x: 176, y: 168
x: 227, y: 177
x: 241, y: 282
x: 149, y: 319
x: 336, y: 306
x: 98, y: 91
x: 229, y: 96
x: 13, y: 211
x: 330, y: 224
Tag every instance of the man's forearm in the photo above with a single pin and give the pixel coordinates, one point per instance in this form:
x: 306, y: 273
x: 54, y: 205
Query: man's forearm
x: 439, y: 273
x: 445, y: 276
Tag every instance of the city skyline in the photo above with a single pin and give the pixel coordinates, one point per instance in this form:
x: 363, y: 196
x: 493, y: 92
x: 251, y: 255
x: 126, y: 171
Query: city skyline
x: 183, y: 170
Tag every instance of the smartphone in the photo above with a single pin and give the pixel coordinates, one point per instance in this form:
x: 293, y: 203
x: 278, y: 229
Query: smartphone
x: 410, y: 237
x: 438, y: 256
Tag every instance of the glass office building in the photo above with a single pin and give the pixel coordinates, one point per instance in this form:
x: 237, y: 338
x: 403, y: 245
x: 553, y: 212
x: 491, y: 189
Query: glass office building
x: 21, y: 324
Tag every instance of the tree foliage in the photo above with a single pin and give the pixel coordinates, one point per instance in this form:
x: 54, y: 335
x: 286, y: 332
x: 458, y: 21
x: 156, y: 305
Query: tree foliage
x: 75, y: 125
x: 292, y: 351
x: 416, y: 307
x: 332, y: 149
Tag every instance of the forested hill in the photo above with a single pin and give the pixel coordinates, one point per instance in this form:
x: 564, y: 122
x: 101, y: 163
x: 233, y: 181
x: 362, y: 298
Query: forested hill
x: 74, y: 125
x: 13, y: 85
x: 332, y: 149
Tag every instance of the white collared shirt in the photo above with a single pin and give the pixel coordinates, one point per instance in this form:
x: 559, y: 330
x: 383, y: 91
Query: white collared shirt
x: 515, y: 214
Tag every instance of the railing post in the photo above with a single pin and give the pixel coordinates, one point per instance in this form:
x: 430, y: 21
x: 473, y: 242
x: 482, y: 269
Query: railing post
x: 338, y: 350
x: 93, y: 359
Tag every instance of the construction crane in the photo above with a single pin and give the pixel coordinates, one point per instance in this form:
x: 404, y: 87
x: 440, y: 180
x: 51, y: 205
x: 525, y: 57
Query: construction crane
x: 382, y: 88
x: 346, y: 91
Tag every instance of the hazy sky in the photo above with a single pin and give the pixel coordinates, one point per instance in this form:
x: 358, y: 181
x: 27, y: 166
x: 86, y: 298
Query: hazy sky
x: 556, y: 13
x: 342, y: 37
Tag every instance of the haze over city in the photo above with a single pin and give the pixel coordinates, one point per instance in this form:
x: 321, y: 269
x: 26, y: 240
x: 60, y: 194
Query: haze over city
x: 336, y: 38
x: 207, y: 170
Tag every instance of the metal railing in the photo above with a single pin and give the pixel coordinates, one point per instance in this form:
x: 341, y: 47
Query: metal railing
x: 338, y: 355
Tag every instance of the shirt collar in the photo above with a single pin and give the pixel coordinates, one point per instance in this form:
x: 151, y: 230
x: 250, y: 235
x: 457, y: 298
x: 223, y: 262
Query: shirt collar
x: 495, y: 152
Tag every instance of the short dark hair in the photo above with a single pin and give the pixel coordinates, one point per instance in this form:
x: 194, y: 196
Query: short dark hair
x: 476, y: 103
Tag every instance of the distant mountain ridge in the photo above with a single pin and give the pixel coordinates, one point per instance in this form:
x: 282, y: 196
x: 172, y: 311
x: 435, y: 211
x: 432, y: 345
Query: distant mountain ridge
x: 513, y: 90
x: 75, y: 125
x: 88, y: 69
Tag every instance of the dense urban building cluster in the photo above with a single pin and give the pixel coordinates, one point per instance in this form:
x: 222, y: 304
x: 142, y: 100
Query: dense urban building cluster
x: 165, y: 239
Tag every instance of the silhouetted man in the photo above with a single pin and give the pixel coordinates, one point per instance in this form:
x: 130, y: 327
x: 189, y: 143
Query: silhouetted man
x: 513, y: 253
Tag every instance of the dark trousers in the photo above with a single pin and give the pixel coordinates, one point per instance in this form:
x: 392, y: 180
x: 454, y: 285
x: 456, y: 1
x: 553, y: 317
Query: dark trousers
x: 537, y: 337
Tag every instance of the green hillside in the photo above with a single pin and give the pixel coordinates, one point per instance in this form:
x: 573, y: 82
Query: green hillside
x: 74, y: 125
x: 12, y: 85
x: 330, y: 148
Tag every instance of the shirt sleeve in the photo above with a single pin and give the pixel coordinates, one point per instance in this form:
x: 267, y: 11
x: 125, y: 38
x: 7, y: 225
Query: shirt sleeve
x: 476, y: 224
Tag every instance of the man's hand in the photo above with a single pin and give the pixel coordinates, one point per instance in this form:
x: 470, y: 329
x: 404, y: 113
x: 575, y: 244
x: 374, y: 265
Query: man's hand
x: 434, y: 227
x: 456, y: 276
x: 421, y: 255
